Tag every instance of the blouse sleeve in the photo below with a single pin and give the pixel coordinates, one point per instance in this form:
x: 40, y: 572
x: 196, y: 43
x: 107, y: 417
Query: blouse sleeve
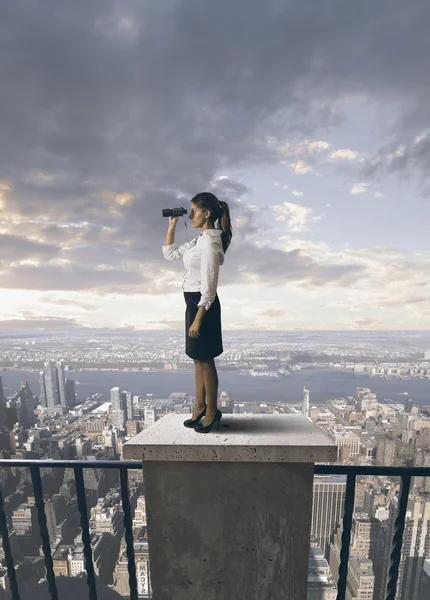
x: 173, y: 251
x: 210, y: 263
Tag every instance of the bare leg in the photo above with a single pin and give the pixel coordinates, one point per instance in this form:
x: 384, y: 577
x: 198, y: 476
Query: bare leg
x: 200, y: 390
x: 210, y: 377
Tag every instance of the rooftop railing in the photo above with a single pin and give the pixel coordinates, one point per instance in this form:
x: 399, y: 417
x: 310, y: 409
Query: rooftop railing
x: 351, y: 472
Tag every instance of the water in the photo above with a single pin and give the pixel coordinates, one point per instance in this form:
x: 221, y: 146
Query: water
x: 322, y: 383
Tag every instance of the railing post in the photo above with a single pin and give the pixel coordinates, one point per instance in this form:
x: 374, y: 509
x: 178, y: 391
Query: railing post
x: 346, y: 535
x: 40, y: 505
x: 86, y: 539
x: 7, y: 551
x: 399, y: 527
x: 128, y: 529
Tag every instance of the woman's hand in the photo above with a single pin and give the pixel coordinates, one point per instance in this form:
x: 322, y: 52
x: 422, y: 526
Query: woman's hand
x: 194, y: 330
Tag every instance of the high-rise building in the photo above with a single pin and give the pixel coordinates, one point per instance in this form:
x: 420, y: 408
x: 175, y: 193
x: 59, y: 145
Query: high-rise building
x: 127, y: 405
x: 365, y: 543
x: 150, y: 415
x: 421, y: 459
x: 61, y: 383
x: 408, y: 405
x: 132, y: 428
x: 24, y: 518
x: 415, y: 548
x: 115, y: 398
x: 346, y: 439
x: 118, y: 419
x: 305, y: 403
x: 140, y: 513
x: 118, y: 414
x: 143, y: 578
x: 70, y: 392
x: 361, y: 578
x: 42, y: 386
x: 25, y: 405
x: 364, y: 399
x: 385, y: 451
x: 327, y: 508
x: 321, y: 584
x: 52, y: 395
x: 2, y: 404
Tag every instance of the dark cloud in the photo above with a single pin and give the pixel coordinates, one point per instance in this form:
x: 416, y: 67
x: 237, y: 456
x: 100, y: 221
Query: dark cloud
x: 403, y: 159
x: 107, y: 98
x: 189, y: 86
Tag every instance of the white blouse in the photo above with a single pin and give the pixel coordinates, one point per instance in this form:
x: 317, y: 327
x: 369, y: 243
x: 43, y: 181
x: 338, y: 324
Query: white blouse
x: 202, y: 258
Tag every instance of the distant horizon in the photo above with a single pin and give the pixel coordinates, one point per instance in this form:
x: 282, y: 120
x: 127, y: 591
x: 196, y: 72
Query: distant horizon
x: 131, y: 331
x: 126, y: 330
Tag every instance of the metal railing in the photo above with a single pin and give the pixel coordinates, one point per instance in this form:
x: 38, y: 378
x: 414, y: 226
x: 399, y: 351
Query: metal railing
x: 351, y: 472
x: 77, y: 466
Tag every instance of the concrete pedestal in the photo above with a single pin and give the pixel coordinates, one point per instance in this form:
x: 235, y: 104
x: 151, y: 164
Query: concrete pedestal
x: 229, y: 513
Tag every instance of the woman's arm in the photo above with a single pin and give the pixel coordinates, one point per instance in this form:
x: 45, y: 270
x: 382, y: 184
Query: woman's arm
x: 170, y: 237
x: 210, y: 263
x: 171, y: 251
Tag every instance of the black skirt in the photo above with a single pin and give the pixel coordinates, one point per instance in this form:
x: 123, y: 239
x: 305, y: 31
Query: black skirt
x: 209, y: 343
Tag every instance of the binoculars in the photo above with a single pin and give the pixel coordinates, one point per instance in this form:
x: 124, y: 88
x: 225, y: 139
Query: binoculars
x: 174, y: 212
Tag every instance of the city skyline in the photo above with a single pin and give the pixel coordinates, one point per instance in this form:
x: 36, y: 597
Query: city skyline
x: 311, y: 121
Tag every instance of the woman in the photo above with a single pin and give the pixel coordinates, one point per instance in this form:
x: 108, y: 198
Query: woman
x: 203, y: 338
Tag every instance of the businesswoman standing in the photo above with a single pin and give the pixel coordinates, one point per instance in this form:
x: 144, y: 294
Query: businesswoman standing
x: 202, y: 258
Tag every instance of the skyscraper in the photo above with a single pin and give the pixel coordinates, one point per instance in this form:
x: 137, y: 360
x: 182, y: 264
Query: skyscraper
x: 364, y: 559
x: 115, y: 398
x: 421, y: 459
x: 408, y: 405
x: 118, y: 414
x: 385, y: 451
x: 25, y: 405
x: 327, y: 508
x: 127, y: 405
x: 305, y: 403
x: 42, y: 386
x: 415, y: 548
x: 52, y: 396
x: 70, y: 392
x: 2, y: 403
x: 61, y: 384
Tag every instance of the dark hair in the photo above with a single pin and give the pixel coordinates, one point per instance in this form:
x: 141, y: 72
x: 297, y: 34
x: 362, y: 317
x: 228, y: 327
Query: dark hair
x: 219, y: 212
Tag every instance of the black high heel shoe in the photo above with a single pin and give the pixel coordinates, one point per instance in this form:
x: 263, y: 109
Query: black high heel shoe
x: 194, y: 422
x: 207, y: 428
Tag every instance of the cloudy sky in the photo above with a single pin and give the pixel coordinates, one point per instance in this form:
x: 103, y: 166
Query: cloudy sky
x: 311, y: 119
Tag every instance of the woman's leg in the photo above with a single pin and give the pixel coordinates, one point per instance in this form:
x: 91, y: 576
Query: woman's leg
x: 200, y: 389
x: 210, y: 377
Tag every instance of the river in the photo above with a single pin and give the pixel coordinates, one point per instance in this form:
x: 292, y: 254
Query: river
x: 323, y: 384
